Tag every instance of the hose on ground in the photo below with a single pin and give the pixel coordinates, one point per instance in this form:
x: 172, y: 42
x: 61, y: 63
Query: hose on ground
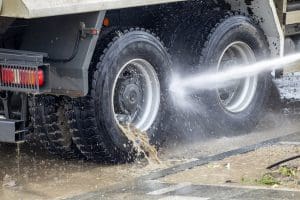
x: 283, y: 161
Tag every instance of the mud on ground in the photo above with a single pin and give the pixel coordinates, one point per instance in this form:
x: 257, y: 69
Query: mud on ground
x: 248, y: 170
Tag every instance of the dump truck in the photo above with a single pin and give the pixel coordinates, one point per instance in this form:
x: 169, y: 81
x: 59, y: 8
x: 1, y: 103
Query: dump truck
x: 73, y: 72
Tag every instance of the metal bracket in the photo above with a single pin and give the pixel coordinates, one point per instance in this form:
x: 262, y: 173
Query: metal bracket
x: 5, y: 97
x: 12, y: 131
x: 85, y: 32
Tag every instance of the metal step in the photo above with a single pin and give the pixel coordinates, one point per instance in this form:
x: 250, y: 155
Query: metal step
x: 12, y: 131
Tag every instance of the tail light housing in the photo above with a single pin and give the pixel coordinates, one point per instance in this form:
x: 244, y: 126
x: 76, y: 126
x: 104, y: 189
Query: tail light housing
x: 22, y: 78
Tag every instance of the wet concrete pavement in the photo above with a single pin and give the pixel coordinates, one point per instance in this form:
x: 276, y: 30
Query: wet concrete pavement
x: 152, y: 186
x: 184, y: 191
x: 36, y: 175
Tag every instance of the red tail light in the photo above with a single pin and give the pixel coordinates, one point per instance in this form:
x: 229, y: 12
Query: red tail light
x: 21, y: 76
x: 41, y: 77
x: 7, y: 75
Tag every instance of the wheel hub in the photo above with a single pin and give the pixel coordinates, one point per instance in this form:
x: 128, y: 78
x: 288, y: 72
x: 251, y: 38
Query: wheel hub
x: 136, y: 95
x: 130, y: 98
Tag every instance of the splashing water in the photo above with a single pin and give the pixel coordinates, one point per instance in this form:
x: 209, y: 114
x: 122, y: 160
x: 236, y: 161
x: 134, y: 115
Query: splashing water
x: 141, y: 143
x: 181, y: 88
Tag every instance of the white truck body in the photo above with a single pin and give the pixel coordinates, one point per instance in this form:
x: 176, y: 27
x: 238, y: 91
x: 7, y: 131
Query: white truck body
x: 45, y: 8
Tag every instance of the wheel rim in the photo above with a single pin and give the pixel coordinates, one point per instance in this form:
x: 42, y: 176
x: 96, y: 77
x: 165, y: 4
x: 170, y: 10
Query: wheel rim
x: 136, y: 95
x: 238, y: 94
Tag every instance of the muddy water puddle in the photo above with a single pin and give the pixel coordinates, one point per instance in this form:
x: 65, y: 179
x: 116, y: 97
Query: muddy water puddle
x: 29, y: 173
x: 38, y: 176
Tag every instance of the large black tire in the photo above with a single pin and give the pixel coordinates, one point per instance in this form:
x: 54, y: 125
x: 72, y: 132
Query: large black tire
x: 49, y: 120
x: 96, y: 132
x: 242, y: 30
x: 173, y: 20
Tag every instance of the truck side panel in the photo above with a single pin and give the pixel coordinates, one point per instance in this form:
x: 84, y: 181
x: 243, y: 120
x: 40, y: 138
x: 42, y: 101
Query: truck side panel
x: 58, y: 36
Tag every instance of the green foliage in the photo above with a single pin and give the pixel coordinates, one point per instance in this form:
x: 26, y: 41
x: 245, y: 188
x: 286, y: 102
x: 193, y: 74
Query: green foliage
x: 287, y: 171
x: 268, y: 179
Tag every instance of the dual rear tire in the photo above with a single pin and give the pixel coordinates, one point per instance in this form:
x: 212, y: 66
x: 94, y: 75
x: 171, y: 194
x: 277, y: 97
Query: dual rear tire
x: 131, y: 80
x: 50, y: 124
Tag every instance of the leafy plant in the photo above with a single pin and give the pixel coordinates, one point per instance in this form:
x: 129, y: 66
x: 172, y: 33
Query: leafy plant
x: 268, y: 179
x: 287, y: 171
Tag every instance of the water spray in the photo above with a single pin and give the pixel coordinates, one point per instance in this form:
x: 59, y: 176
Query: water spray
x: 182, y: 87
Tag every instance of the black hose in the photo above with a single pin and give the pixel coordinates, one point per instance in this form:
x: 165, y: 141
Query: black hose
x: 283, y: 161
x: 74, y: 53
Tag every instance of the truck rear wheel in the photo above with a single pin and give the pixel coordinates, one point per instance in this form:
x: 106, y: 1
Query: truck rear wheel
x: 51, y: 127
x: 236, y: 41
x: 129, y: 86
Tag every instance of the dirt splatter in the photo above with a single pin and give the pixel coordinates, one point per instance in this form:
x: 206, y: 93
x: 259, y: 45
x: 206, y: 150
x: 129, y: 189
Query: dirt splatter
x: 141, y: 143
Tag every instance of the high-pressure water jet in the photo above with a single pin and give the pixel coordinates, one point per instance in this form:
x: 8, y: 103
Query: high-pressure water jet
x: 182, y: 87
